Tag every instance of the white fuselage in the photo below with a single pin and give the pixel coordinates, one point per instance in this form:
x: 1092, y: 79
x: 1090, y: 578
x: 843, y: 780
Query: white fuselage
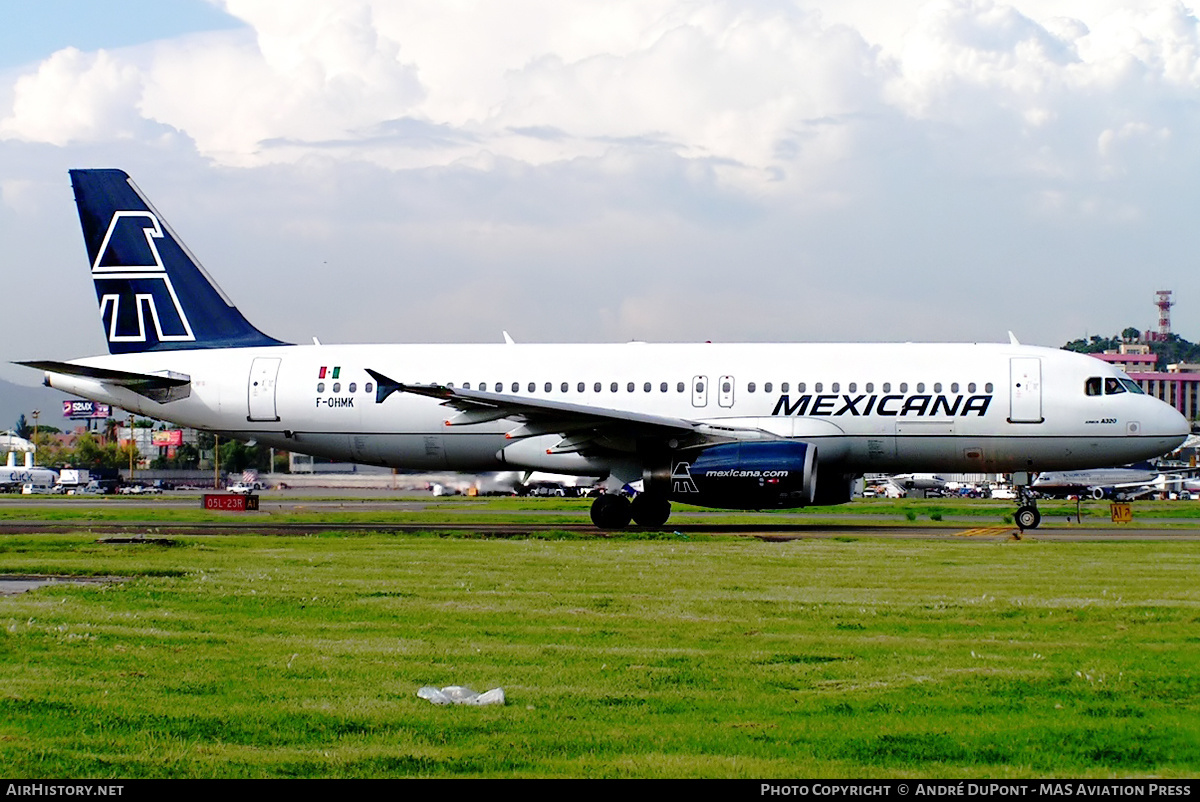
x: 867, y: 407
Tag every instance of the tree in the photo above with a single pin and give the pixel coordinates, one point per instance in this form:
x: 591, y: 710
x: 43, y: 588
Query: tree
x: 1131, y: 334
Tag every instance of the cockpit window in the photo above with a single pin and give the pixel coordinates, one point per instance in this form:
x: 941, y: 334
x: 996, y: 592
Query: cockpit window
x: 1113, y: 386
x: 1132, y: 386
x: 1092, y: 385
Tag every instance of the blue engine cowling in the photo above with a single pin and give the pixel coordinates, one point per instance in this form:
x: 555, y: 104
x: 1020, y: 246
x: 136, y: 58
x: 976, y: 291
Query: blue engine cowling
x: 747, y: 476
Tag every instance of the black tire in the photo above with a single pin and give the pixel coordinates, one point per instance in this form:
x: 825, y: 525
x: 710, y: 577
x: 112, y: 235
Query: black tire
x: 650, y: 511
x: 1028, y: 518
x: 611, y: 512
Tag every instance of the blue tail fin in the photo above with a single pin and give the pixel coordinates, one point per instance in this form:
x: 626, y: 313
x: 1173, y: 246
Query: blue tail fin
x: 153, y: 294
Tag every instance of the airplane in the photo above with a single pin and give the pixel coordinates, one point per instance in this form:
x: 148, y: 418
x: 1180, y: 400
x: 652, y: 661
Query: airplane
x: 1121, y: 483
x: 924, y: 482
x: 13, y: 477
x: 734, y: 426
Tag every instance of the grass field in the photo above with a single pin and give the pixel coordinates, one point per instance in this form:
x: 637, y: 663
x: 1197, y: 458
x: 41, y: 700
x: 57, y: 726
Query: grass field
x: 250, y: 656
x: 176, y: 509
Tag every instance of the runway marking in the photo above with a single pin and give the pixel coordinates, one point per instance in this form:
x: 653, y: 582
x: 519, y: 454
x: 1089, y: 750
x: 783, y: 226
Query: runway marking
x: 984, y: 531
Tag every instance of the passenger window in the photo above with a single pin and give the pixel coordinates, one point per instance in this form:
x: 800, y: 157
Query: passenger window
x: 835, y: 387
x: 532, y: 387
x: 800, y: 387
x: 971, y: 387
x: 564, y: 387
x: 767, y: 387
x: 612, y: 388
x: 750, y: 387
x: 870, y: 387
x: 516, y: 387
x: 646, y: 387
x: 320, y: 387
x: 337, y: 386
x: 987, y: 387
x: 579, y: 388
x: 679, y: 387
x: 499, y: 387
x: 937, y: 387
x: 954, y: 387
x: 548, y: 387
x: 368, y: 387
x: 783, y: 388
x: 597, y: 387
x: 920, y: 387
x: 662, y: 388
x: 1092, y: 385
x: 818, y: 387
x: 853, y: 387
x: 354, y: 387
x: 887, y: 387
x: 904, y: 387
x: 1111, y: 386
x: 629, y: 387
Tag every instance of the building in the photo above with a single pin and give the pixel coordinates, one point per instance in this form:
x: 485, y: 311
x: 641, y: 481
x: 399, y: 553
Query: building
x: 1179, y: 385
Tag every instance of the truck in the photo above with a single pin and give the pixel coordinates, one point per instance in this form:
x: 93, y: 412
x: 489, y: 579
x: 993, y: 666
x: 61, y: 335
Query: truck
x: 72, y: 480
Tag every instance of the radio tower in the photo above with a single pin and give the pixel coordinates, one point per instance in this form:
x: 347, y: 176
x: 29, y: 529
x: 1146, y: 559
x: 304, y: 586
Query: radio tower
x: 1164, y: 304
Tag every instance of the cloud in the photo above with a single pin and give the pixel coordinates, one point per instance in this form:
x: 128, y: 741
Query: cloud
x: 665, y: 169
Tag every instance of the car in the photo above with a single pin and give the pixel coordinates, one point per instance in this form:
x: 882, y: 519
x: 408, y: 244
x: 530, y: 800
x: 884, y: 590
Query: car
x: 245, y: 488
x: 140, y: 490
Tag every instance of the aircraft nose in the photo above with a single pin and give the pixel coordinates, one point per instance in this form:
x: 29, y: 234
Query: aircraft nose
x: 1169, y: 422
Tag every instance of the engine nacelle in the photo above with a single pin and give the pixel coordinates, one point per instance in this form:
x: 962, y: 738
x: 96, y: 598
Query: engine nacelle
x: 747, y: 475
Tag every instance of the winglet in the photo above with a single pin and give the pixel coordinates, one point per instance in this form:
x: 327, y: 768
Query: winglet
x: 1012, y: 339
x: 384, y: 386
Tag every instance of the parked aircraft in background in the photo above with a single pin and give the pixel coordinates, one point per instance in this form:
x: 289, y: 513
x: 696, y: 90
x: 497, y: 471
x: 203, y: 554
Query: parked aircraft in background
x: 925, y: 482
x: 741, y: 426
x: 1123, y: 483
x: 14, y: 477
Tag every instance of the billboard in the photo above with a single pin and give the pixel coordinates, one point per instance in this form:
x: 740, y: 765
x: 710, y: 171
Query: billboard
x: 77, y: 410
x: 167, y: 437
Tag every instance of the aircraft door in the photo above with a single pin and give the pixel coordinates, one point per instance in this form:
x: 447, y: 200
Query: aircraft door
x: 725, y: 391
x: 699, y: 391
x: 264, y: 373
x: 1025, y: 390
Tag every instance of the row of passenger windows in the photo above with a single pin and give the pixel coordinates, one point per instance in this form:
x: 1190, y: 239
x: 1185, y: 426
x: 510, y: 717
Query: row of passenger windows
x: 751, y: 387
x: 351, y: 388
x: 1093, y: 387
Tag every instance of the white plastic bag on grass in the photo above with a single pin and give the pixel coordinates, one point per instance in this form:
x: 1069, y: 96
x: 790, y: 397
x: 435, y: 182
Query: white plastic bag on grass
x: 460, y: 695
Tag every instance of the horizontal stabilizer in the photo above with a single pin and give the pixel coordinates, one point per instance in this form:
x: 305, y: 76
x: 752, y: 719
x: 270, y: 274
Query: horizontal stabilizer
x: 160, y: 387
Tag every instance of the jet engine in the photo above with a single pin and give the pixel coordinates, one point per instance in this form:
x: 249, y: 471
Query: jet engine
x: 746, y: 475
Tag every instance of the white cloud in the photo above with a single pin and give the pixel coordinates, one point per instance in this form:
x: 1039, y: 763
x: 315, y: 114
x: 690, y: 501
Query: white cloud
x: 636, y: 169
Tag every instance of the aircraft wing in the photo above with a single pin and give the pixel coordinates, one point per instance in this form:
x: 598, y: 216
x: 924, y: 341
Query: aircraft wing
x: 160, y: 387
x: 581, y: 425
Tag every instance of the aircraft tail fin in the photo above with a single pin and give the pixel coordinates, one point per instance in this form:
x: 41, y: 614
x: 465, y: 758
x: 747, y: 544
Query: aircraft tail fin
x: 153, y: 293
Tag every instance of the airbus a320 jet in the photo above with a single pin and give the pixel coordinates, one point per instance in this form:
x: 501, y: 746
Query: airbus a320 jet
x: 736, y: 426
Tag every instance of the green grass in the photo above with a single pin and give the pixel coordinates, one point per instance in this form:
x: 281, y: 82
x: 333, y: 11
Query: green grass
x: 277, y: 657
x: 918, y: 512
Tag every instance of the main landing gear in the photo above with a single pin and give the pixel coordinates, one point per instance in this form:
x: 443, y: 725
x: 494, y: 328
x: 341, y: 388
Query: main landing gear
x: 612, y: 511
x: 1027, y: 516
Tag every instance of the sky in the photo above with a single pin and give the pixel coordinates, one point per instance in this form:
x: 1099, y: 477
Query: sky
x: 759, y: 170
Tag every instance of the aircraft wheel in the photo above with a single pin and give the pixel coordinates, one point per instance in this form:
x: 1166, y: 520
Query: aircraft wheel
x: 611, y: 511
x: 650, y: 511
x: 1028, y: 518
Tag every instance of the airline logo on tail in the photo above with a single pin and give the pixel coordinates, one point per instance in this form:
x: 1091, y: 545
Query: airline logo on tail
x: 137, y: 292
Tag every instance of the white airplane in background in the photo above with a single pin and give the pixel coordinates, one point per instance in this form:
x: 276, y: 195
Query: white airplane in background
x: 917, y: 481
x: 746, y: 426
x: 1122, y: 483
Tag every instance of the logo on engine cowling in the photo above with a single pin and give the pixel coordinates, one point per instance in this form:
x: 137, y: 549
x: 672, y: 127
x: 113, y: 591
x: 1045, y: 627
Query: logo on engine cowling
x: 681, y: 479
